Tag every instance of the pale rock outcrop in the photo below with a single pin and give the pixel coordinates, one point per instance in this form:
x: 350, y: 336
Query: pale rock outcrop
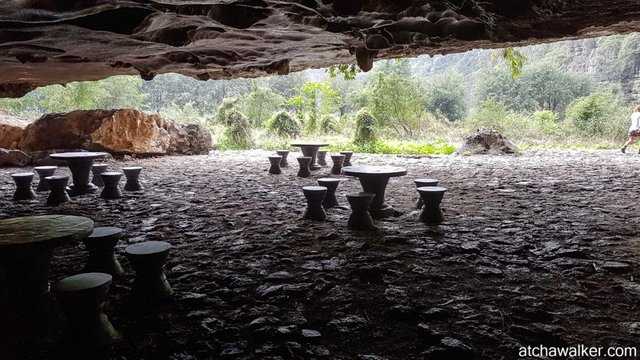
x: 487, y: 141
x: 123, y: 131
x: 11, y: 129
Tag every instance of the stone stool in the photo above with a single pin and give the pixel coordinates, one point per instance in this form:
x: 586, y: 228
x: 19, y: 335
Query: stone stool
x: 23, y: 186
x: 111, y: 189
x: 133, y: 183
x: 82, y: 299
x: 421, y: 183
x: 98, y: 169
x: 347, y: 157
x: 314, y: 196
x: 322, y: 157
x: 338, y: 161
x: 304, y: 162
x: 101, y: 244
x: 285, y: 154
x: 360, y: 219
x: 58, y: 194
x: 330, y: 198
x: 147, y: 259
x: 43, y: 172
x: 275, y: 164
x: 432, y: 196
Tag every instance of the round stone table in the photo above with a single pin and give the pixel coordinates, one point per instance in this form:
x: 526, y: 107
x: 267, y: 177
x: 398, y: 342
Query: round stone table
x: 26, y: 247
x: 310, y: 149
x: 374, y: 179
x: 29, y: 318
x: 80, y: 165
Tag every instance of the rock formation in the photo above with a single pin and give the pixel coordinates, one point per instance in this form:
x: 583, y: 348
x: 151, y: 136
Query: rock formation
x: 487, y: 141
x: 14, y: 158
x: 45, y: 42
x: 124, y: 131
x: 11, y: 129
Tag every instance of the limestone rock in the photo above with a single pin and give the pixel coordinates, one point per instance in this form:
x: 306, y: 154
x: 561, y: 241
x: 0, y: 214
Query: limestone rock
x: 487, y: 141
x: 11, y: 129
x: 62, y: 131
x: 123, y: 131
x: 189, y: 139
x: 131, y: 131
x: 14, y: 158
x: 55, y: 42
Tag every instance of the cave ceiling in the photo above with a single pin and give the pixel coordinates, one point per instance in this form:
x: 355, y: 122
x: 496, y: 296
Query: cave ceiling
x: 46, y: 42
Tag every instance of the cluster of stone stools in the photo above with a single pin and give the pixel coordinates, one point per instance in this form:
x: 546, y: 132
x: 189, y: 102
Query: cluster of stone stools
x: 322, y: 197
x: 307, y: 163
x: 81, y: 297
x: 109, y: 181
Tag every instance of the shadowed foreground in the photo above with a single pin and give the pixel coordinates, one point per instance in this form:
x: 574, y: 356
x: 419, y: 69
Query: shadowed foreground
x: 536, y: 249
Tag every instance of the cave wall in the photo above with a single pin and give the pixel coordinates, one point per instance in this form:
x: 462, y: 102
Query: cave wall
x: 46, y: 42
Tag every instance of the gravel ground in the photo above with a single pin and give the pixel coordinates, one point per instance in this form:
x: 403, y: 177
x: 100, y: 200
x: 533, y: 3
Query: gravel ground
x: 536, y: 249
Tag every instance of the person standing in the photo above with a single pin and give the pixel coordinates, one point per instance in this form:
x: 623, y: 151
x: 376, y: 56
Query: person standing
x: 634, y: 130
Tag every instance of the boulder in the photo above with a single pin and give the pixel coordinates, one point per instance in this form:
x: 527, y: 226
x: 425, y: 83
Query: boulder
x: 129, y: 131
x: 11, y: 129
x: 14, y: 158
x: 189, y: 139
x: 123, y: 131
x: 487, y: 141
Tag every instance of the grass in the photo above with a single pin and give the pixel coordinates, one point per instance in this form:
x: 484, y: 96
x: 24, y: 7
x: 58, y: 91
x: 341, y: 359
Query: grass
x: 431, y: 145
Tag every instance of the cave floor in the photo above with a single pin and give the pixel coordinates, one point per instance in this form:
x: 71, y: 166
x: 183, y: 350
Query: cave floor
x: 536, y: 249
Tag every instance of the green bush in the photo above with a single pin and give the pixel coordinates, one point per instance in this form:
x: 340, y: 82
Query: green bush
x: 365, y: 125
x: 329, y: 124
x: 589, y: 115
x: 546, y: 121
x: 283, y: 124
x: 237, y: 135
x: 228, y: 106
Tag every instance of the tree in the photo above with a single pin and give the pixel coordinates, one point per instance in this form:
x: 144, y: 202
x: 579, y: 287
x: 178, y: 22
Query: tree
x: 186, y: 114
x: 542, y: 86
x: 315, y: 100
x: 122, y: 92
x: 396, y: 99
x: 447, y: 96
x: 260, y: 104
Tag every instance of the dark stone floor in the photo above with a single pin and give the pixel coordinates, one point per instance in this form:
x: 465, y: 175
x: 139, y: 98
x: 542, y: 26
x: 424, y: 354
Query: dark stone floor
x: 536, y: 249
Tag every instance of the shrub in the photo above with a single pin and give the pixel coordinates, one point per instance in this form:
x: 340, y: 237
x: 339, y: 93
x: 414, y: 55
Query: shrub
x: 588, y: 115
x: 365, y: 125
x: 329, y: 124
x: 545, y: 121
x: 237, y: 134
x: 223, y: 112
x: 283, y: 124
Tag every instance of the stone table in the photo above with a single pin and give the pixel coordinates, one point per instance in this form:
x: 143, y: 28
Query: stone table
x: 374, y: 179
x: 310, y: 149
x: 26, y: 248
x: 80, y: 165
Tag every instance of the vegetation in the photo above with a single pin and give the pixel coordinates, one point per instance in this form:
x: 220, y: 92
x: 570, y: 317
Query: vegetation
x: 365, y: 128
x: 567, y: 94
x: 284, y: 125
x: 237, y: 135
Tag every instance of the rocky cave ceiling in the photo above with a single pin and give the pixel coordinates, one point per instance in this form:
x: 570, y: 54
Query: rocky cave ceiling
x: 54, y: 41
